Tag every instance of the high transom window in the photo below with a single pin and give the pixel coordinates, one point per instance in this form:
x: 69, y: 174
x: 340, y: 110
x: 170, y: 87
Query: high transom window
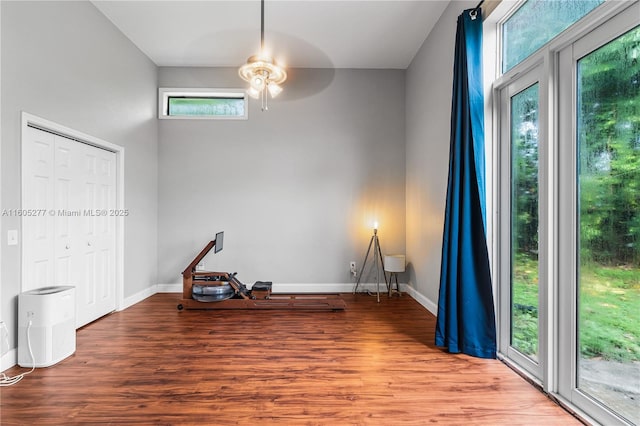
x: 535, y: 23
x: 202, y: 104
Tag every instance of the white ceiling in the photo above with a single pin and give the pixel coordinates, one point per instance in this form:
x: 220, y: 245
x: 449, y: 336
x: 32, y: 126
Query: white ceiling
x: 298, y: 33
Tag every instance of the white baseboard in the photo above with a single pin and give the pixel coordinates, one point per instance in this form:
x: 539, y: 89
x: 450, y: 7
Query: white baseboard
x: 139, y: 297
x: 421, y: 299
x: 9, y: 359
x: 169, y: 288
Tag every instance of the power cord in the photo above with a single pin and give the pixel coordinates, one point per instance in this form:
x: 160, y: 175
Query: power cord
x: 9, y: 381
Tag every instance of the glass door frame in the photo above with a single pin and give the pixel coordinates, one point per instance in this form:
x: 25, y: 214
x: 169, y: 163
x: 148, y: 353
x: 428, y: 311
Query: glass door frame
x: 568, y: 226
x: 520, y: 82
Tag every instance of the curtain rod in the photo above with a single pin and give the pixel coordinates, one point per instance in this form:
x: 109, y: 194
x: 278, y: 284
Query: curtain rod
x: 474, y: 12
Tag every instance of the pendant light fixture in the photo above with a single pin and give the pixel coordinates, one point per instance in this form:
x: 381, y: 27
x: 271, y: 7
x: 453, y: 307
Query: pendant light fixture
x: 262, y: 72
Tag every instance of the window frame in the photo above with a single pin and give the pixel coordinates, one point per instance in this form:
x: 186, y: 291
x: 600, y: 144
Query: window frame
x: 164, y: 93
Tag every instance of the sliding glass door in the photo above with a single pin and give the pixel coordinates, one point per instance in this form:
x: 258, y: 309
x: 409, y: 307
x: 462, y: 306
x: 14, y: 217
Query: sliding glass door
x: 568, y: 169
x: 600, y: 221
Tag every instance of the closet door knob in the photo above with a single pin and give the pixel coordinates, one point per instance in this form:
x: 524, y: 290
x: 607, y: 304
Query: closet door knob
x: 67, y: 247
x: 88, y: 243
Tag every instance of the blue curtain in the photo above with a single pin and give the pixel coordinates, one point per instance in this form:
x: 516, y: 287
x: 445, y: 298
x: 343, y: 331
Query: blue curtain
x: 466, y: 317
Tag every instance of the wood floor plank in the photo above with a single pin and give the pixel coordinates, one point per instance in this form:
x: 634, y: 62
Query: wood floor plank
x: 373, y: 364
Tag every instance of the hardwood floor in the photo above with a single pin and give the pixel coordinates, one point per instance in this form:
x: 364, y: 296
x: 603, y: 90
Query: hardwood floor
x: 373, y: 364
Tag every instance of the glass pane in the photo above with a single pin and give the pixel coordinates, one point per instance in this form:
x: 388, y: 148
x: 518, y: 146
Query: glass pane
x: 535, y: 23
x: 524, y: 222
x: 609, y: 224
x: 224, y: 107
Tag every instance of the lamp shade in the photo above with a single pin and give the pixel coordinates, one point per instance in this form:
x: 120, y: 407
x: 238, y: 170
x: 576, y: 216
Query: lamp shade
x: 394, y: 263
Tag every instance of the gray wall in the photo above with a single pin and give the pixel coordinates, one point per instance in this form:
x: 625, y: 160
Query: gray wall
x: 428, y: 115
x: 64, y: 61
x: 296, y: 189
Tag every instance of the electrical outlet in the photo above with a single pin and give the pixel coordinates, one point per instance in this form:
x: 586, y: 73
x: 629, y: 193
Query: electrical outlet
x: 12, y: 237
x: 352, y: 266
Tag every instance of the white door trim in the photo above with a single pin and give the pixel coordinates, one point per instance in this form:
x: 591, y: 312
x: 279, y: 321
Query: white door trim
x: 44, y: 124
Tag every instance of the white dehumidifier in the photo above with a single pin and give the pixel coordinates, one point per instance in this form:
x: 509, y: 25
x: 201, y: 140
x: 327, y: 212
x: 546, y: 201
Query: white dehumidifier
x: 51, y: 336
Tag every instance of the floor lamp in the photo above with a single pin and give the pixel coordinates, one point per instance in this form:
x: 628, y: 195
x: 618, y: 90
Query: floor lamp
x: 377, y: 259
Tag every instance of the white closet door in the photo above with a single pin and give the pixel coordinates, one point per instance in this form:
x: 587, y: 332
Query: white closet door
x: 67, y: 262
x: 71, y: 241
x: 38, y: 197
x: 96, y: 296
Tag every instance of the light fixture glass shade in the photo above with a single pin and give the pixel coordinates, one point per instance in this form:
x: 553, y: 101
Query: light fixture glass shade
x: 255, y: 94
x: 257, y: 82
x: 274, y: 89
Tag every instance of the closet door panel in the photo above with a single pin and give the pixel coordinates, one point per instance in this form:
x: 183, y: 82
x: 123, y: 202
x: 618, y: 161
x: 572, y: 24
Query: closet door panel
x: 68, y: 212
x: 98, y: 233
x: 38, y: 197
